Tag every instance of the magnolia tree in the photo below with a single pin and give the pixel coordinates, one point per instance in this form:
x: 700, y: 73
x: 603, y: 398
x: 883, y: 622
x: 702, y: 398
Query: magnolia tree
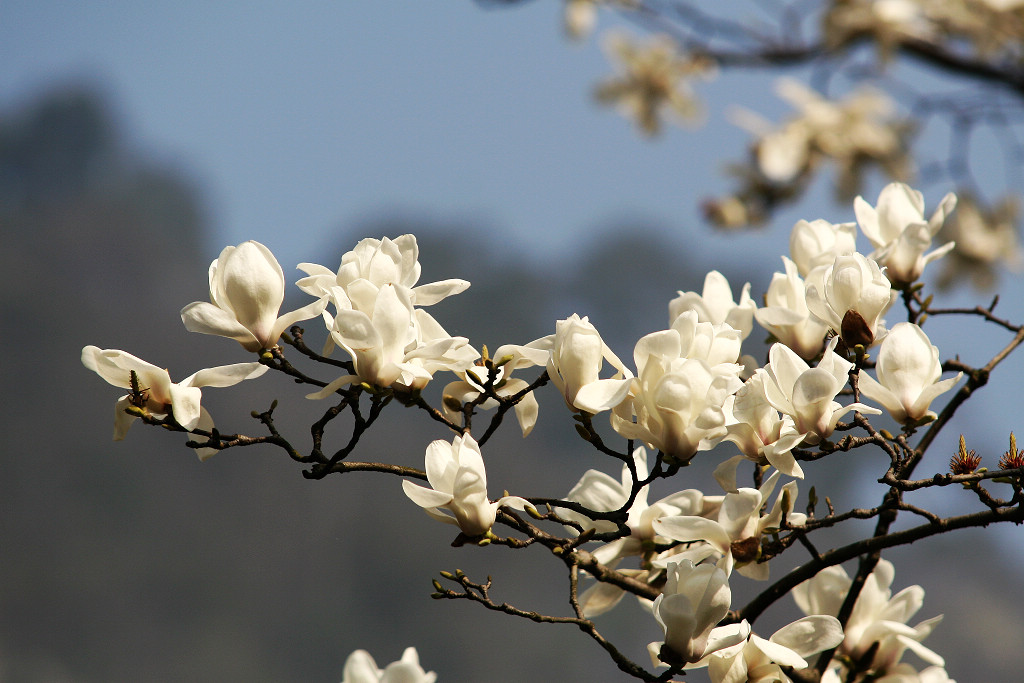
x: 849, y: 367
x: 690, y: 392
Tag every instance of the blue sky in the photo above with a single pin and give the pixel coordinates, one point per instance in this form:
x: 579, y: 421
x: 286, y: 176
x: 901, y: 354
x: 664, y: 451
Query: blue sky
x: 297, y: 119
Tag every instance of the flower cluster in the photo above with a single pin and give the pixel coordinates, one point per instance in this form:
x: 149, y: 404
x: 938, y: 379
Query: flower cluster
x: 690, y: 390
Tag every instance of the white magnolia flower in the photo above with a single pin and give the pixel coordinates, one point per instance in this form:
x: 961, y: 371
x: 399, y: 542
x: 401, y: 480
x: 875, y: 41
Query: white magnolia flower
x: 908, y: 370
x: 693, y: 601
x: 757, y: 660
x: 851, y: 296
x: 808, y: 394
x: 393, y: 344
x: 458, y: 483
x: 361, y: 668
x: 577, y: 354
x: 677, y: 402
x: 375, y: 263
x: 899, y: 231
x: 247, y: 290
x: 786, y: 316
x: 735, y: 536
x: 756, y: 427
x: 879, y: 619
x: 715, y: 304
x: 602, y: 493
x: 714, y: 344
x: 152, y: 390
x: 474, y: 379
x: 818, y: 243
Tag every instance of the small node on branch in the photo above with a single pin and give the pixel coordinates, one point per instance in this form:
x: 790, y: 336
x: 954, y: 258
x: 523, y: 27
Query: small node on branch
x: 582, y: 431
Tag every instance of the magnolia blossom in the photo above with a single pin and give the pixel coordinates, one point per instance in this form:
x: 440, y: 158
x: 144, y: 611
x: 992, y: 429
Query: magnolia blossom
x: 458, y: 483
x: 393, y: 344
x: 898, y: 230
x: 851, y: 132
x: 375, y: 263
x: 602, y: 493
x: 756, y: 427
x: 716, y: 305
x: 247, y: 290
x: 717, y: 345
x: 579, y: 18
x: 851, y: 296
x: 360, y: 668
x: 735, y: 536
x: 786, y: 316
x: 908, y: 370
x: 807, y: 394
x: 677, y: 402
x: 818, y: 243
x: 985, y: 237
x: 475, y: 378
x: 577, y: 354
x: 652, y: 78
x: 152, y: 391
x: 878, y: 621
x: 693, y: 601
x: 757, y: 660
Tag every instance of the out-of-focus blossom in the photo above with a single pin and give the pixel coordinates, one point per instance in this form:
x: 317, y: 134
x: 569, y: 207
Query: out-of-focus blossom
x: 908, y: 370
x: 458, y: 483
x: 808, y: 394
x: 361, y: 668
x: 579, y: 18
x: 715, y: 304
x: 818, y: 243
x: 692, y: 603
x: 851, y: 296
x: 889, y: 21
x: 859, y: 129
x: 474, y: 379
x: 247, y: 290
x: 786, y: 316
x: 653, y: 78
x: 878, y: 621
x: 898, y: 230
x: 677, y: 401
x: 985, y: 237
x: 577, y: 354
x: 757, y: 660
x: 735, y: 536
x: 756, y: 427
x: 151, y: 389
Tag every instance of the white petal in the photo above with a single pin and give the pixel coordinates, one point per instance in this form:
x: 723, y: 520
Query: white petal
x: 424, y: 497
